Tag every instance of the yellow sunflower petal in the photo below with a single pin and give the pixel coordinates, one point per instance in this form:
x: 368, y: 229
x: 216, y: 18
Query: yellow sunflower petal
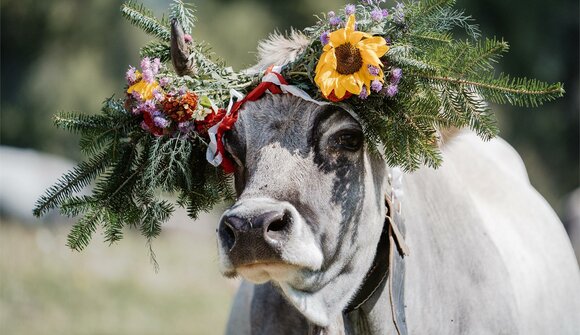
x: 321, y: 63
x: 369, y: 57
x: 327, y: 81
x: 339, y: 91
x: 337, y: 38
x: 376, y: 44
x: 330, y: 59
x: 356, y: 36
x: 350, y: 84
x: 350, y: 25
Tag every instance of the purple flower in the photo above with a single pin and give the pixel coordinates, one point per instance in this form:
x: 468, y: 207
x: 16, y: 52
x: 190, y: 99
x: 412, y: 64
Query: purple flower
x: 156, y: 66
x: 391, y: 90
x: 182, y: 90
x: 160, y: 122
x: 349, y: 9
x: 373, y: 70
x: 145, y: 64
x: 163, y: 81
x: 331, y: 14
x: 396, y: 75
x: 325, y: 38
x: 335, y: 21
x: 136, y: 95
x: 131, y: 75
x: 147, y: 106
x: 185, y: 127
x: 158, y: 95
x: 376, y: 85
x: 385, y: 13
x: 148, y: 75
x: 363, y: 93
x: 377, y: 15
x: 399, y: 14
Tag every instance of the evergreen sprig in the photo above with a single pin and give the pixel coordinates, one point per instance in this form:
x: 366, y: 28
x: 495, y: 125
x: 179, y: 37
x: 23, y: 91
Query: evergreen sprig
x: 448, y: 81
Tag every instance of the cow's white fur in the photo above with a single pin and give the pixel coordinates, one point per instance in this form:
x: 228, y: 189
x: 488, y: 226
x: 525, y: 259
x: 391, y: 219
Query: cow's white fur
x: 488, y: 253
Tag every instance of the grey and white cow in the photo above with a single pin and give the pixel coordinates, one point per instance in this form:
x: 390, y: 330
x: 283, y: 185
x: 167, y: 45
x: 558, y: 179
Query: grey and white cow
x: 487, y: 253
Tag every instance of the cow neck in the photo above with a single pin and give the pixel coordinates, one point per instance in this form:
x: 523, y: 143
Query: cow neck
x: 378, y: 271
x: 388, y: 264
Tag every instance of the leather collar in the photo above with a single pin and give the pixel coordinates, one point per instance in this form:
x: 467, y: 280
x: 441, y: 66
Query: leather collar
x: 378, y: 271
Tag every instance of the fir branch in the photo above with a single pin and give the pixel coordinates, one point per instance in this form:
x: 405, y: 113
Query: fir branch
x: 184, y: 13
x: 82, y: 232
x: 156, y: 49
x: 73, y: 181
x: 143, y: 18
x: 521, y: 92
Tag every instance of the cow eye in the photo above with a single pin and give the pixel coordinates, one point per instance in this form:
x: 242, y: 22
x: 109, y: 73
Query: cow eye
x: 350, y: 140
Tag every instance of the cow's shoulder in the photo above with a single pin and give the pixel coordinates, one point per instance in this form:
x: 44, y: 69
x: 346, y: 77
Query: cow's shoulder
x: 487, y: 252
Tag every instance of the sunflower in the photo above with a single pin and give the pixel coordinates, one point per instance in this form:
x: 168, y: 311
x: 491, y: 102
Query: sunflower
x: 349, y: 61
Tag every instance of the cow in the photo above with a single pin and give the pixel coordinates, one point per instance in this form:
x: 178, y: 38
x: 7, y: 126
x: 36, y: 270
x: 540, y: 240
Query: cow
x: 331, y: 240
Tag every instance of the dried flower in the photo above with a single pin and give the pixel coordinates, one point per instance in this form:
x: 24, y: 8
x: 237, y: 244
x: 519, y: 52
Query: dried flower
x: 164, y: 81
x: 324, y: 38
x: 376, y: 85
x: 148, y: 76
x: 391, y: 90
x: 349, y: 9
x: 335, y: 21
x: 161, y: 122
x: 132, y: 75
x: 396, y: 75
x: 145, y: 64
x: 399, y: 14
x: 181, y: 108
x: 374, y: 70
x: 363, y: 93
x: 377, y: 15
x: 156, y: 66
x: 331, y: 14
x: 385, y: 13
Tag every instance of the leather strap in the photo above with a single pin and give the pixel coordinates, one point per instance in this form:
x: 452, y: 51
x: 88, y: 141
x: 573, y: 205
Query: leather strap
x: 388, y: 264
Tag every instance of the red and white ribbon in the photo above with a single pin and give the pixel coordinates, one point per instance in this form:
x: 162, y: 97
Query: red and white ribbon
x: 272, y: 83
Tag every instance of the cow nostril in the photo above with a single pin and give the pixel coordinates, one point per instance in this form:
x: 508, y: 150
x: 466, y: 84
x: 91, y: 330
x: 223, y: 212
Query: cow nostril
x: 277, y: 225
x: 277, y: 228
x: 227, y: 236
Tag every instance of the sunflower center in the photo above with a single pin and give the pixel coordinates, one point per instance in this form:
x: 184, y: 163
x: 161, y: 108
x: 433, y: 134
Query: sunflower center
x: 348, y: 59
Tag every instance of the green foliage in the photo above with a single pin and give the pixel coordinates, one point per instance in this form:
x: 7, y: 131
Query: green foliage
x: 143, y: 18
x: 448, y: 80
x: 130, y: 169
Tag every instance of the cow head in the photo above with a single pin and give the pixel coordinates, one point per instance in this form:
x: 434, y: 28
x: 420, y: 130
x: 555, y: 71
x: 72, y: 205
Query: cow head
x: 310, y: 203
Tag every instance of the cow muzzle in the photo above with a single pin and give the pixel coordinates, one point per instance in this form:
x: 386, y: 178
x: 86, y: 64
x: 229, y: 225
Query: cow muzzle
x: 261, y: 239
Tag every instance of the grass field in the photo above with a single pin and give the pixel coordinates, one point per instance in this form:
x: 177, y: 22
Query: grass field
x: 45, y: 288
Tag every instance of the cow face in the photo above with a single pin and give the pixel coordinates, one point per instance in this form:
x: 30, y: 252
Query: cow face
x: 310, y: 207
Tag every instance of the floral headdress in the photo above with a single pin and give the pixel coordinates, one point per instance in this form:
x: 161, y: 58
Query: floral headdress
x: 405, y: 72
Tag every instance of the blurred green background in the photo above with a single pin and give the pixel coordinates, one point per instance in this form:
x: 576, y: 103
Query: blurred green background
x: 68, y: 55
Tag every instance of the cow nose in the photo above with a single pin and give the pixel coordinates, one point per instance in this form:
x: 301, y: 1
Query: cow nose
x: 269, y: 226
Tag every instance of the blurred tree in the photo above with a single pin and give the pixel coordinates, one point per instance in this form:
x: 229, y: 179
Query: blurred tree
x: 71, y: 54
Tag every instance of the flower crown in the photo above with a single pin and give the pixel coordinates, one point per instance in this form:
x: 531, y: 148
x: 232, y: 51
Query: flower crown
x: 404, y: 72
